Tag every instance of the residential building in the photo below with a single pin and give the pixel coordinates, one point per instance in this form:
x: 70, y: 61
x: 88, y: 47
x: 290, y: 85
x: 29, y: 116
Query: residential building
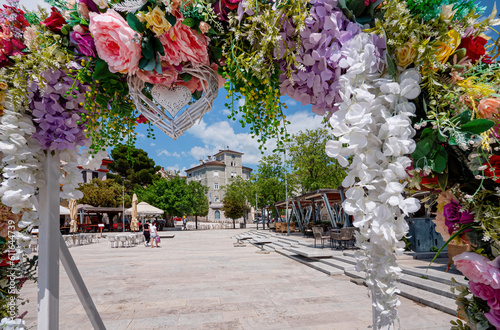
x: 216, y: 172
x: 100, y: 173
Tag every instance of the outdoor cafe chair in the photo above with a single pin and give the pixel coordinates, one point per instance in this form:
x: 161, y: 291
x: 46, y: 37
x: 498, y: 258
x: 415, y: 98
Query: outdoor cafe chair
x: 124, y: 240
x: 112, y: 241
x: 345, y: 235
x: 319, y: 234
x: 34, y: 244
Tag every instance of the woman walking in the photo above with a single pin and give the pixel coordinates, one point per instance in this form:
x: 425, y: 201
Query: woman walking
x: 146, y: 233
x: 154, y: 234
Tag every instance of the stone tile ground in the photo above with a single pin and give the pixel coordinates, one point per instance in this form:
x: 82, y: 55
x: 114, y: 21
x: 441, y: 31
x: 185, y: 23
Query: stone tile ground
x: 198, y: 280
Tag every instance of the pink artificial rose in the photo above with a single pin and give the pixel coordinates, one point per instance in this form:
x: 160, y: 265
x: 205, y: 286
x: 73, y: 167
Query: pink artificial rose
x: 168, y: 76
x: 204, y: 27
x: 478, y: 269
x: 481, y: 290
x: 494, y: 317
x: 182, y: 44
x: 117, y: 44
x: 194, y: 84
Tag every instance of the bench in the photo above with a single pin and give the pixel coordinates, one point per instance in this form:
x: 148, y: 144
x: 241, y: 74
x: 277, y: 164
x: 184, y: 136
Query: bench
x: 282, y: 227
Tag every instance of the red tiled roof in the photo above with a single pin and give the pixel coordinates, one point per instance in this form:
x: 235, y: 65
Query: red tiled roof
x: 229, y: 151
x: 214, y: 163
x: 247, y: 168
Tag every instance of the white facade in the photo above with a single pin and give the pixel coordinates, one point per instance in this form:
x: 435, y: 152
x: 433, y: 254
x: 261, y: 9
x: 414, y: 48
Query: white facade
x: 216, y: 172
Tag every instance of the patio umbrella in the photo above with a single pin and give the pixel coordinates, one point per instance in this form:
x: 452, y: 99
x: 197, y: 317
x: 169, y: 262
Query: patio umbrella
x: 73, y: 225
x: 134, y: 224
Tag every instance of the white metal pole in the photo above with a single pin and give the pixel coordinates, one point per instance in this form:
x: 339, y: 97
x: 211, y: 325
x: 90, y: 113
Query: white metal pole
x: 48, y: 249
x: 286, y: 198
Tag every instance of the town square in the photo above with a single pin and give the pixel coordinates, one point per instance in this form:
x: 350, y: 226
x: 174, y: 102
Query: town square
x: 249, y: 164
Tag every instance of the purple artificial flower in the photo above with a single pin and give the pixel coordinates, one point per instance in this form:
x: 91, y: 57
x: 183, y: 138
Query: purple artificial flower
x: 56, y: 114
x: 482, y: 290
x: 90, y: 4
x: 454, y: 216
x: 84, y: 42
x: 494, y: 317
x: 327, y: 31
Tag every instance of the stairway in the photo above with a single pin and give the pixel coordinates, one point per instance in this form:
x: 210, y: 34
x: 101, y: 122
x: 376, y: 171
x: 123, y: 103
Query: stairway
x: 429, y: 287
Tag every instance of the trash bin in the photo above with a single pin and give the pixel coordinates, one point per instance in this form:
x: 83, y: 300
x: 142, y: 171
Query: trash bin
x: 243, y: 225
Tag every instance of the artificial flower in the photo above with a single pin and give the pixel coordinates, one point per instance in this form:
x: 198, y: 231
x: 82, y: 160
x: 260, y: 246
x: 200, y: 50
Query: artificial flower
x: 224, y: 7
x: 141, y: 119
x: 488, y: 108
x: 478, y: 268
x: 115, y: 41
x: 89, y: 6
x: 84, y: 43
x: 474, y: 47
x: 83, y: 10
x: 448, y: 47
x: 182, y: 44
x: 406, y: 54
x: 167, y: 77
x: 493, y: 317
x: 492, y: 170
x: 55, y: 21
x: 157, y: 22
x: 204, y: 27
x: 455, y: 216
x: 103, y: 4
x: 482, y: 290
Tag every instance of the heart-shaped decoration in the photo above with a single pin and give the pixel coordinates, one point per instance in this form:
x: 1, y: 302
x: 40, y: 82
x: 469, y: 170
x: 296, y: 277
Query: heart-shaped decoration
x: 172, y: 99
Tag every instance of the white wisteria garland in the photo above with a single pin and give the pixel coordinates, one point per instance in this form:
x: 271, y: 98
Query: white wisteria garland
x: 21, y: 165
x: 373, y: 126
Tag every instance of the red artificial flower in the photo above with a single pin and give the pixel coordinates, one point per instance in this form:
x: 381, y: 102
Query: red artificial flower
x: 367, y: 2
x: 494, y: 163
x: 475, y: 48
x: 429, y: 180
x: 5, y: 260
x: 141, y: 120
x: 55, y: 21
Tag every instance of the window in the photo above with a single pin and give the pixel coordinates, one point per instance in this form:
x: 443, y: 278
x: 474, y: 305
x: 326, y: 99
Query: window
x: 216, y: 174
x: 233, y: 174
x: 95, y: 175
x: 216, y: 186
x: 84, y: 174
x: 217, y: 214
x: 216, y: 199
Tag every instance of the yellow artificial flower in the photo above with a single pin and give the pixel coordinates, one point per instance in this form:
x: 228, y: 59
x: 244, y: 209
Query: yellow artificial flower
x: 406, y: 54
x: 445, y: 49
x: 157, y: 22
x: 3, y: 86
x: 2, y: 97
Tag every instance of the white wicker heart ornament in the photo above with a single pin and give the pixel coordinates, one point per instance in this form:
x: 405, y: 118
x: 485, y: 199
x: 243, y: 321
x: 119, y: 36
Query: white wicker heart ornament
x: 172, y: 99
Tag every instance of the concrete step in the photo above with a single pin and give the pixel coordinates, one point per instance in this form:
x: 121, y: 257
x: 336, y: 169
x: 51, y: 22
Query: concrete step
x: 337, y: 264
x: 427, y: 285
x: 345, y: 259
x: 327, y: 269
x: 431, y: 299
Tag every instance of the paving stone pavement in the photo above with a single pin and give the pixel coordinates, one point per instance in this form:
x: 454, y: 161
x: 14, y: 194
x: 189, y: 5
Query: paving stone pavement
x: 199, y: 280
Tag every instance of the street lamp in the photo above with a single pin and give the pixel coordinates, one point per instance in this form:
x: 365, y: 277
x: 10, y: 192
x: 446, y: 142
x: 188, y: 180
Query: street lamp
x: 123, y: 203
x: 286, y: 196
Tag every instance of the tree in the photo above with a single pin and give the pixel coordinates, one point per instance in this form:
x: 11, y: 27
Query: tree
x: 311, y: 166
x: 175, y: 197
x: 269, y: 181
x: 235, y: 203
x: 198, y: 195
x: 103, y: 193
x: 133, y: 164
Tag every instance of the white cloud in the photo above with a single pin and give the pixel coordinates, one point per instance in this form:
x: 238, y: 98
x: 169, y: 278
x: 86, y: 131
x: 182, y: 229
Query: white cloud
x: 177, y: 168
x: 291, y: 103
x: 152, y: 144
x: 183, y: 154
x: 241, y: 102
x: 141, y: 135
x: 220, y: 135
x: 176, y: 154
x: 226, y: 112
x: 163, y: 152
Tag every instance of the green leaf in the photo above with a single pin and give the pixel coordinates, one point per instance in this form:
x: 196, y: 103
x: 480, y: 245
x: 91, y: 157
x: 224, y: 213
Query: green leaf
x: 191, y: 22
x: 477, y: 126
x: 196, y: 95
x: 186, y: 77
x: 171, y: 19
x: 440, y: 159
x: 158, y: 65
x: 459, y: 232
x: 143, y: 62
x: 391, y: 67
x: 158, y: 46
x: 443, y: 180
x: 356, y: 6
x: 101, y: 70
x: 150, y: 65
x: 423, y: 148
x: 217, y: 51
x: 134, y: 23
x: 148, y: 49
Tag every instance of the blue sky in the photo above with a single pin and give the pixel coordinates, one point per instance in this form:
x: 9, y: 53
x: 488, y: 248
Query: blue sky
x: 215, y: 131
